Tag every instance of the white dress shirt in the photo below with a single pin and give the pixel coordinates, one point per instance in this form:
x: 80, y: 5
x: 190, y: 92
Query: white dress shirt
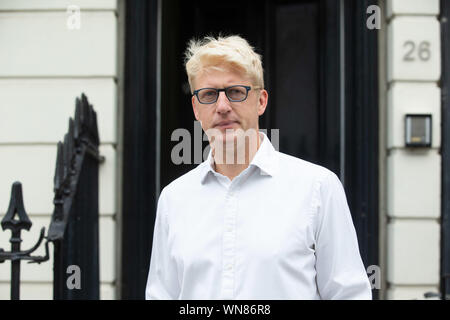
x: 281, y: 229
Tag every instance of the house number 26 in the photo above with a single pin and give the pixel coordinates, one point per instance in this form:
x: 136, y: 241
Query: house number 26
x: 421, y: 51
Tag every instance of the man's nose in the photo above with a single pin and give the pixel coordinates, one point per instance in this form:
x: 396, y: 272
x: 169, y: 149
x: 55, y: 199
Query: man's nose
x: 222, y: 103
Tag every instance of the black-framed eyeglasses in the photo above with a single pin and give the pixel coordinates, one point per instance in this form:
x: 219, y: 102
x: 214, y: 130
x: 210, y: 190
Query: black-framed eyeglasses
x: 235, y: 93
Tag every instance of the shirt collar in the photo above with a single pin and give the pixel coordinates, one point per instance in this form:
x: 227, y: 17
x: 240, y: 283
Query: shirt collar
x: 265, y: 159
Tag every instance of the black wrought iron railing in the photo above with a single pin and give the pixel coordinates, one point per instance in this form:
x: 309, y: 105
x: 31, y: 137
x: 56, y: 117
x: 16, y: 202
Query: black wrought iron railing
x: 16, y: 225
x: 74, y: 223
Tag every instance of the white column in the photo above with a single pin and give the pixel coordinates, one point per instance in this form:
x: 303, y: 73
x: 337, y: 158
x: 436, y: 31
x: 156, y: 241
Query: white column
x: 413, y: 181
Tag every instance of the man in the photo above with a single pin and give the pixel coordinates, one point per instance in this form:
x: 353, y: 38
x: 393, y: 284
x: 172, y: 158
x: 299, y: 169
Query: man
x: 249, y: 222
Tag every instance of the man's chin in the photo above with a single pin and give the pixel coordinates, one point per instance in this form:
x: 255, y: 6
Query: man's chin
x: 224, y: 137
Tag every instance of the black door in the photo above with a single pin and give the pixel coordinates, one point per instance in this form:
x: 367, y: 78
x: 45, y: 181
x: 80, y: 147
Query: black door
x: 301, y: 45
x: 287, y: 34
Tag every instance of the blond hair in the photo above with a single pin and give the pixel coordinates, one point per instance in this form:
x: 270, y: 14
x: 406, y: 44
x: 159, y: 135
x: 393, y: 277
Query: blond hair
x: 216, y: 53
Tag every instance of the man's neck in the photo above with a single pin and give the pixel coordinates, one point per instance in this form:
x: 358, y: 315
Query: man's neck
x: 233, y: 169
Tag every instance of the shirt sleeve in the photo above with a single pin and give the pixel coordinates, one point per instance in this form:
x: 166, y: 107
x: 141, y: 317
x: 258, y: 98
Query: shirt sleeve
x: 162, y: 281
x: 340, y: 272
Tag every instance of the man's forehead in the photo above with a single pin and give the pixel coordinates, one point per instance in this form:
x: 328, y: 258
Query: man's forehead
x: 229, y: 68
x: 221, y: 74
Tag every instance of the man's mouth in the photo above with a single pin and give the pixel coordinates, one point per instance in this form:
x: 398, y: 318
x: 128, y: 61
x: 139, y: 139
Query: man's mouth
x: 226, y: 124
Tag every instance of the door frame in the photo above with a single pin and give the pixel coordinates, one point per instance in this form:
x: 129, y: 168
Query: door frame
x: 362, y: 128
x: 140, y: 148
x: 445, y: 150
x: 359, y: 104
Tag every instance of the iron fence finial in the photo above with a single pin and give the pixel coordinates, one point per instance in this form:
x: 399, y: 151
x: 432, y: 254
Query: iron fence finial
x: 16, y: 207
x: 16, y: 226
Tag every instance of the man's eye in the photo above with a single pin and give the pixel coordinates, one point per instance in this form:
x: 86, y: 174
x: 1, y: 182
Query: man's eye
x: 210, y: 93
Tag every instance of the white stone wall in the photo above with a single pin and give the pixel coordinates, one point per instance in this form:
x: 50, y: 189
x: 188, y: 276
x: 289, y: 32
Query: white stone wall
x: 413, y: 183
x: 44, y: 66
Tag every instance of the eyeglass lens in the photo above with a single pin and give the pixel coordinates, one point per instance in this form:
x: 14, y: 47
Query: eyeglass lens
x: 236, y: 93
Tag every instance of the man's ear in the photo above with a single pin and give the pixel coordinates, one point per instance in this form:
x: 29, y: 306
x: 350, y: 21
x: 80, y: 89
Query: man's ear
x: 194, y: 108
x: 262, y: 101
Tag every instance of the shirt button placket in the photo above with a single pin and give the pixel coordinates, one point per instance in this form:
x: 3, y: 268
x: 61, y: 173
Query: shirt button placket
x: 229, y: 245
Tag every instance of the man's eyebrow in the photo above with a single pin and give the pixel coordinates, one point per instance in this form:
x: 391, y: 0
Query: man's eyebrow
x: 234, y: 83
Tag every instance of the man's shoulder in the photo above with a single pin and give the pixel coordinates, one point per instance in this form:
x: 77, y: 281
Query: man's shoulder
x: 298, y: 167
x: 299, y: 172
x: 186, y: 181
